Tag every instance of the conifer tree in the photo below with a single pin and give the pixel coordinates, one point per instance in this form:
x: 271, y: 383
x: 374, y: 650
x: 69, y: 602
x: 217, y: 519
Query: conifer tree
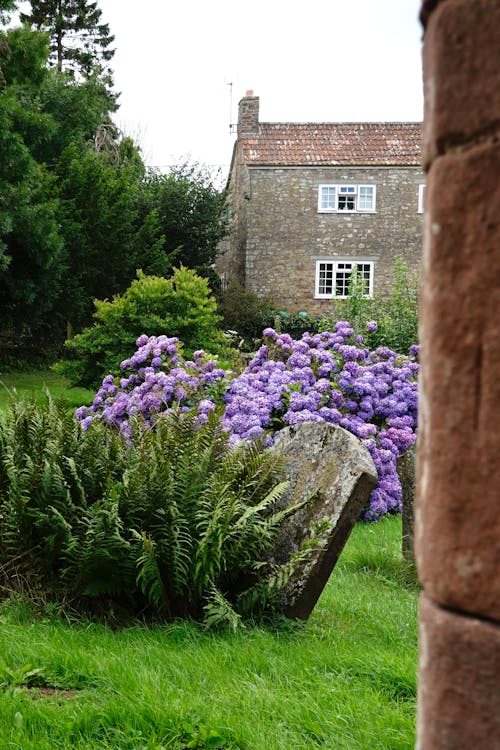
x: 79, y: 42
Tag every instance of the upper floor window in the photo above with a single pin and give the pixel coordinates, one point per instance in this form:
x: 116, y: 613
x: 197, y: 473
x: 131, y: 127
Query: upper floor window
x: 333, y: 277
x: 348, y: 198
x: 421, y: 193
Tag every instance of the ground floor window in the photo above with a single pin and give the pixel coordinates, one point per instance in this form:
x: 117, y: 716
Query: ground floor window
x: 333, y: 277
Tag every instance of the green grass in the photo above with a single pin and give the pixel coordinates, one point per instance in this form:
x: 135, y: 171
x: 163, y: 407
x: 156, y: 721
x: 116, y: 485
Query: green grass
x: 26, y: 384
x: 344, y: 680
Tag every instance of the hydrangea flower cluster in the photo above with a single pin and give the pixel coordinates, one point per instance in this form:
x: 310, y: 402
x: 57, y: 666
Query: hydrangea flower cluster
x: 321, y: 377
x: 155, y: 379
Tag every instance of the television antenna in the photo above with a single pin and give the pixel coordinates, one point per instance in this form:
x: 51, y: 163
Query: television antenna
x: 232, y: 126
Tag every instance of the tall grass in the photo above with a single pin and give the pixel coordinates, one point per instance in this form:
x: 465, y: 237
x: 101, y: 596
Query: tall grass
x: 345, y: 680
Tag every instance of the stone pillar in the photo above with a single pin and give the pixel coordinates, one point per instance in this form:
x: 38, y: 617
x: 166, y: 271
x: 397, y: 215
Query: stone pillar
x: 458, y: 489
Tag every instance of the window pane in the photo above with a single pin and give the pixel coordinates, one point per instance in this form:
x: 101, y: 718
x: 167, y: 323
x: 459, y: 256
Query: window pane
x: 342, y: 277
x: 328, y: 197
x: 364, y: 274
x: 421, y: 193
x: 325, y: 278
x: 366, y: 198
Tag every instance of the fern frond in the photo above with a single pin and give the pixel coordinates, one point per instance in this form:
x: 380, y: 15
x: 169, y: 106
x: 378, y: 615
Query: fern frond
x: 218, y: 611
x: 148, y: 577
x: 264, y: 595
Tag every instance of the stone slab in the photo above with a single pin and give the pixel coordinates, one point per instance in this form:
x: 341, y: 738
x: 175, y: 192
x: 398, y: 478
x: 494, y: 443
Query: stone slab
x: 406, y: 473
x: 333, y: 468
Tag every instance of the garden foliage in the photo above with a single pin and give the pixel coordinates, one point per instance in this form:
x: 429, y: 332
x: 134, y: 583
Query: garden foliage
x: 396, y: 314
x: 247, y: 314
x: 329, y: 376
x: 181, y: 304
x: 173, y: 521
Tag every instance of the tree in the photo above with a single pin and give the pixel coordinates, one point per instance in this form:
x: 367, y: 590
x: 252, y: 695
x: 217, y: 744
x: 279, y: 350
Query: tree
x: 79, y: 42
x: 191, y: 215
x: 101, y: 225
x: 77, y: 108
x: 5, y: 7
x: 31, y: 247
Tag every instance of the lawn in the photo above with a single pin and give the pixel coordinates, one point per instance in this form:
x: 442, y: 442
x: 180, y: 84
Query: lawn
x: 344, y: 680
x: 25, y: 384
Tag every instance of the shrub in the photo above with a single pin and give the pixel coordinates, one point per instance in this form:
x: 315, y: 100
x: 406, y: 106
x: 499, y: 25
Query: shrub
x: 294, y: 324
x: 156, y: 378
x: 247, y: 314
x: 332, y: 376
x: 172, y: 519
x: 181, y: 305
x: 244, y: 312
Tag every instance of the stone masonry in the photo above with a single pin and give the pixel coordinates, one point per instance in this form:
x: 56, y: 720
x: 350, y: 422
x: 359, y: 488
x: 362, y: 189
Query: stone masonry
x: 458, y: 497
x: 286, y: 235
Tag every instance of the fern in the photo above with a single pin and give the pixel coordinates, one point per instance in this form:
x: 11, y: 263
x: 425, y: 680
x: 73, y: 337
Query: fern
x: 148, y: 576
x: 218, y: 611
x: 99, y: 559
x: 174, y: 514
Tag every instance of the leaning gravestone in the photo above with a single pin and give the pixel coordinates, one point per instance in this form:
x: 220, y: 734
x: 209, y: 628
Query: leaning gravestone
x: 406, y: 472
x: 333, y: 468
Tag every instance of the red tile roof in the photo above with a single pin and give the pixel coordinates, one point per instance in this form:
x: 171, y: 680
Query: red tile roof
x: 322, y: 144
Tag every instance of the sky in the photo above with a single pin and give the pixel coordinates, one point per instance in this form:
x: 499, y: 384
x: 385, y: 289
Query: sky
x: 182, y: 67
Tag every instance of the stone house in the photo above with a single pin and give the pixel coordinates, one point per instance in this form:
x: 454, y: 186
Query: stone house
x: 310, y: 201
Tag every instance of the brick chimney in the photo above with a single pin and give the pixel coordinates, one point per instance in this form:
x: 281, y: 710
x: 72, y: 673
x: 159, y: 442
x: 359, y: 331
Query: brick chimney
x: 248, y: 115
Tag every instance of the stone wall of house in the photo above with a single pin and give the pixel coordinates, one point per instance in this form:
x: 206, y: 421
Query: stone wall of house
x: 458, y: 506
x: 230, y: 261
x: 287, y: 234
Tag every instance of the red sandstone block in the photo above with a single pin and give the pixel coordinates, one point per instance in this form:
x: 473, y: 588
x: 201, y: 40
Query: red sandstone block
x: 459, y: 686
x: 461, y: 59
x: 457, y: 535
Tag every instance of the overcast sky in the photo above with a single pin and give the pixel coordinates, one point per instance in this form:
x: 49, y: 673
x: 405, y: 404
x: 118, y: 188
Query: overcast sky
x: 313, y: 61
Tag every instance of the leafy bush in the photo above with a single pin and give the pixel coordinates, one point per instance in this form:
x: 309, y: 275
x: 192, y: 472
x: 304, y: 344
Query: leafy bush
x: 172, y: 519
x: 244, y: 312
x: 294, y: 324
x: 330, y: 377
x: 181, y: 305
x: 247, y: 314
x: 396, y: 316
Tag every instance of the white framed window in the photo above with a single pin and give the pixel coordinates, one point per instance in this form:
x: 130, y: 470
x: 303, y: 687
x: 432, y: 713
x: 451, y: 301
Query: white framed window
x: 421, y: 193
x: 333, y: 277
x: 346, y: 198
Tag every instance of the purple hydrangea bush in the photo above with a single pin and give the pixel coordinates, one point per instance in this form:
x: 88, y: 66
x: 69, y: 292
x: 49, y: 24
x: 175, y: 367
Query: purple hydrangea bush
x: 155, y: 379
x: 329, y: 376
